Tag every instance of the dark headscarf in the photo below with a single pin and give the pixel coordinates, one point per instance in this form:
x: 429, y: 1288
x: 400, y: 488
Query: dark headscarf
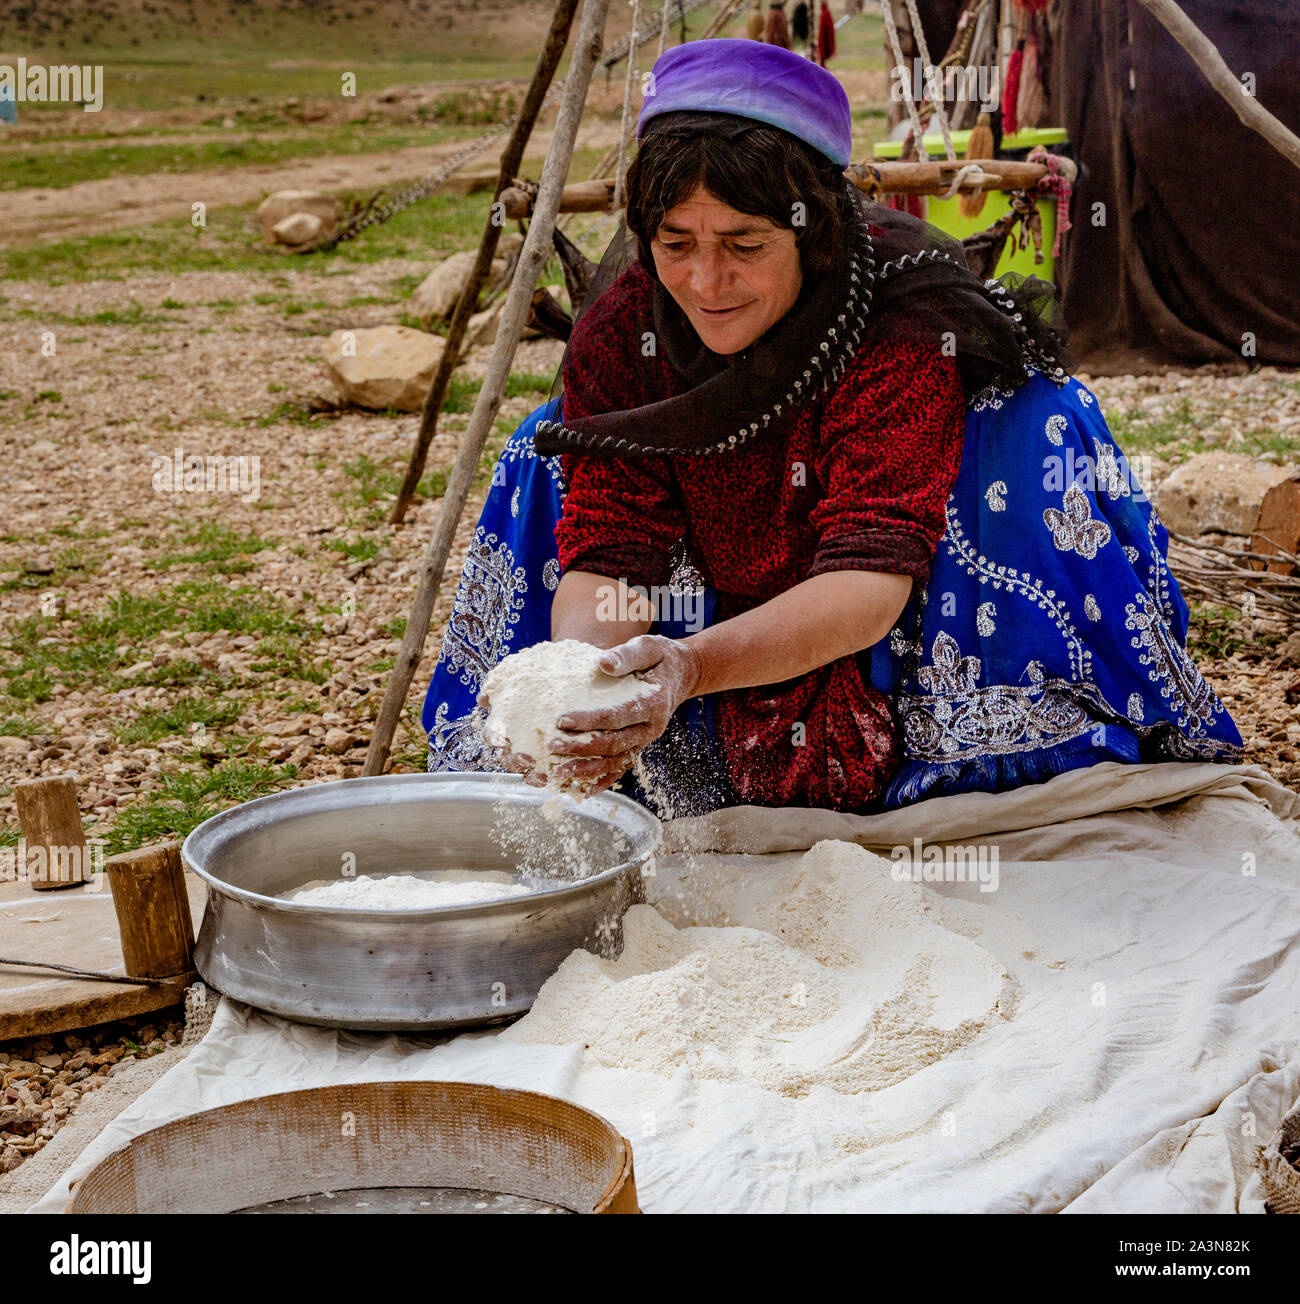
x: 907, y: 282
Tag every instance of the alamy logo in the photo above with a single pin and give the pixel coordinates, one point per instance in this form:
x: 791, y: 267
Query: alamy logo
x: 77, y: 1258
x: 951, y: 864
x: 53, y: 84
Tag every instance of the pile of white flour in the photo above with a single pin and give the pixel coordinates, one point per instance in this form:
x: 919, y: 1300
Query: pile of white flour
x: 843, y: 979
x: 408, y: 891
x: 532, y: 689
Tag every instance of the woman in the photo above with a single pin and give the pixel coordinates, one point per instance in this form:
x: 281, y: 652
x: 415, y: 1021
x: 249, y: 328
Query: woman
x: 894, y: 550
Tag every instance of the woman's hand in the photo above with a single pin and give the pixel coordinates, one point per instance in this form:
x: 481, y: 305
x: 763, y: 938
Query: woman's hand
x: 516, y: 762
x: 604, y: 741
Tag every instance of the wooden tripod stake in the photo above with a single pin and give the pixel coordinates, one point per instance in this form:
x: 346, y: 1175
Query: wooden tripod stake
x: 532, y: 258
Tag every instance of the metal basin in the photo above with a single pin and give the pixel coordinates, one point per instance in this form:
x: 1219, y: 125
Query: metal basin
x: 448, y: 966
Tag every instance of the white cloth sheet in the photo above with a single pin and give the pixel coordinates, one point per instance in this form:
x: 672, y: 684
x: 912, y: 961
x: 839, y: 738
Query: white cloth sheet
x: 1156, y: 1042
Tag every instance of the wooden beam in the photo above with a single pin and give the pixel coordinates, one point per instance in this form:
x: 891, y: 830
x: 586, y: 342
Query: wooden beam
x: 933, y: 178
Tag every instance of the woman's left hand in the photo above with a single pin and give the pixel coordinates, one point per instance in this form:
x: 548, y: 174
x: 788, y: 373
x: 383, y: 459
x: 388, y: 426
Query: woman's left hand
x: 670, y: 671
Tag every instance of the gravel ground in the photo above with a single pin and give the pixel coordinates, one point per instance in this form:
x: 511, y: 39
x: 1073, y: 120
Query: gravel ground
x: 45, y: 1077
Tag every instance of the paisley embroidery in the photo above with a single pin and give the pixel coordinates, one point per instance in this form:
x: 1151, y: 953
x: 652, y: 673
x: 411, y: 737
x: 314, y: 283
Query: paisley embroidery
x: 551, y: 574
x: 994, y: 496
x: 488, y: 603
x: 1055, y: 424
x: 984, y: 614
x: 1090, y: 608
x: 1074, y: 530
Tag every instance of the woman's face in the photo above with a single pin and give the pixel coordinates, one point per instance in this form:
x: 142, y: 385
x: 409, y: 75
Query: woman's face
x: 734, y: 275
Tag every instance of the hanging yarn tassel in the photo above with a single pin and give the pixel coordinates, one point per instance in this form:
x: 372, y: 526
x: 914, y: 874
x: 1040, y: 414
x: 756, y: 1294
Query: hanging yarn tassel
x: 799, y: 23
x: 777, y: 31
x: 1029, y: 97
x: 979, y: 146
x: 825, y: 35
x: 1011, y: 90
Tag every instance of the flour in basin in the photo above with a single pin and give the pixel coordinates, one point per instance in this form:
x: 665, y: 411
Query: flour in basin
x: 408, y: 891
x: 846, y: 979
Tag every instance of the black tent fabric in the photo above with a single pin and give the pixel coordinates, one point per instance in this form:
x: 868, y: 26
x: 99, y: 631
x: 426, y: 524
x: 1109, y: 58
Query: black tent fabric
x: 1186, y: 239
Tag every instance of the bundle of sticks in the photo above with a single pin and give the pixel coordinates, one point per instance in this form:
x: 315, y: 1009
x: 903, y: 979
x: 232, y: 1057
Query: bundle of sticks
x: 1232, y: 577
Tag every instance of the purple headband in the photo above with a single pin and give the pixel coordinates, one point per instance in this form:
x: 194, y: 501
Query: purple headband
x: 752, y: 80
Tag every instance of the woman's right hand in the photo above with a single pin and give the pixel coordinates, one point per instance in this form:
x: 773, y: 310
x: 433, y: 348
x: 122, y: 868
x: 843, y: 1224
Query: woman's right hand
x: 516, y: 762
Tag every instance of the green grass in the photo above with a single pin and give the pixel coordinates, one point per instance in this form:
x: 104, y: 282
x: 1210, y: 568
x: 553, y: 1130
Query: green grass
x: 53, y: 167
x: 71, y: 564
x: 39, y: 652
x: 186, y: 798
x: 218, y: 545
x: 428, y: 230
x: 299, y: 412
x: 355, y: 549
x: 1216, y: 632
x: 155, y: 723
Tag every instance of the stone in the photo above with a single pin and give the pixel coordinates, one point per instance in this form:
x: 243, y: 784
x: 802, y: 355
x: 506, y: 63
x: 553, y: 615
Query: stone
x: 482, y: 329
x: 282, y: 204
x: 1290, y: 650
x: 299, y: 229
x: 1217, y: 491
x: 383, y: 367
x: 8, y: 743
x: 50, y: 1061
x: 435, y: 298
x: 338, y: 741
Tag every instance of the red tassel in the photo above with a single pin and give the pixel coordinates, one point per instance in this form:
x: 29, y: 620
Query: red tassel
x: 1011, y: 91
x: 825, y: 35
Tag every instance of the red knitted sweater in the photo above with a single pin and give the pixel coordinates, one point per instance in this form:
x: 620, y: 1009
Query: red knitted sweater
x: 857, y: 481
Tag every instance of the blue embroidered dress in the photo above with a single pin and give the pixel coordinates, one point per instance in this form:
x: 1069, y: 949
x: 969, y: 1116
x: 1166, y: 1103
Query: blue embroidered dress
x: 1049, y: 636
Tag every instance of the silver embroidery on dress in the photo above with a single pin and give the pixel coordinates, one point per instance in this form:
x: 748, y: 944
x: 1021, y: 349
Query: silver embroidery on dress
x: 1055, y: 424
x: 488, y: 604
x: 994, y: 495
x: 1074, y: 529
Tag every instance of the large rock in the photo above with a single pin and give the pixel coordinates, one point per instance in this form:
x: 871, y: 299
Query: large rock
x: 384, y: 366
x: 1216, y: 491
x: 435, y: 298
x: 283, y: 204
x: 300, y: 229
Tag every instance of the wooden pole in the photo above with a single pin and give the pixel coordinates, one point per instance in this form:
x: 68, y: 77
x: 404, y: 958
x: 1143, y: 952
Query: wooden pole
x: 1211, y: 63
x: 934, y: 178
x: 52, y: 835
x: 543, y: 74
x: 532, y: 258
x: 153, y: 911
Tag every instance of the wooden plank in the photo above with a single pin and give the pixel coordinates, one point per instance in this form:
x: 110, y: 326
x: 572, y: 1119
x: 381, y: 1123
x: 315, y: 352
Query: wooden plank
x: 78, y: 927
